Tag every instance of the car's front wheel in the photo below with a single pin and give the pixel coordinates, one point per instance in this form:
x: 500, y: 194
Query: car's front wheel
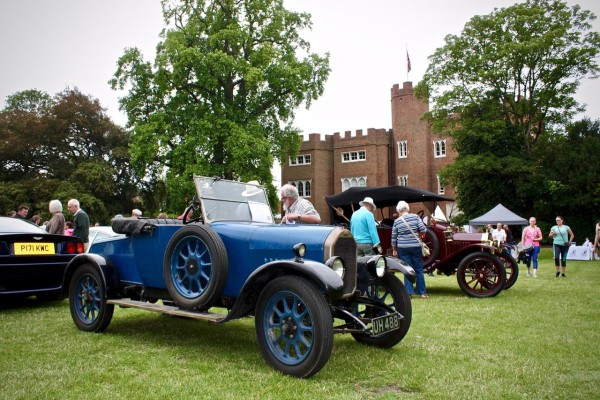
x: 481, y: 275
x: 390, y: 291
x: 87, y: 300
x: 294, y: 326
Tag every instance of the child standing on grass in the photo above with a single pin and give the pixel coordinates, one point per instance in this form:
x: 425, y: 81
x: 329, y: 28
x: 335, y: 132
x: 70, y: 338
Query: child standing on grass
x: 563, y: 236
x: 532, y: 235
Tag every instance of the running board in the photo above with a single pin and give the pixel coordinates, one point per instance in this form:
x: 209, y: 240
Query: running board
x: 169, y: 310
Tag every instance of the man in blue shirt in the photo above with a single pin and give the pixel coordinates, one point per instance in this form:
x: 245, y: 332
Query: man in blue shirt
x: 364, y: 228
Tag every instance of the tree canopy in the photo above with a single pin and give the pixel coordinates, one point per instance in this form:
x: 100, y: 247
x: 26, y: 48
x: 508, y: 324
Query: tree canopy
x: 500, y: 86
x: 221, y: 95
x: 61, y: 148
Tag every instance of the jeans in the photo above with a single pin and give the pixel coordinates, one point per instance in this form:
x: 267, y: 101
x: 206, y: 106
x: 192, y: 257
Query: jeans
x: 533, y: 256
x: 413, y: 257
x: 560, y: 253
x: 364, y: 249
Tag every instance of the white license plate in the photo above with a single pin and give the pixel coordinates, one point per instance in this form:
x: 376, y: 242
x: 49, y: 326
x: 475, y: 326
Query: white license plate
x: 385, y: 324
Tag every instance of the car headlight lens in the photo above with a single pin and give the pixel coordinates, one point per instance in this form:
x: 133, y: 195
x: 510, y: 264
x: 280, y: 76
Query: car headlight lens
x: 377, y: 265
x: 337, y: 265
x: 380, y: 266
x: 299, y: 250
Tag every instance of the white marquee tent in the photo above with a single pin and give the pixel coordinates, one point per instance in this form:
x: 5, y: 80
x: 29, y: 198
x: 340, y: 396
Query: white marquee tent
x: 499, y: 214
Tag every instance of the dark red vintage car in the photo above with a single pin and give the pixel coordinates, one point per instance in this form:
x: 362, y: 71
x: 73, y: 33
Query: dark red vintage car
x: 483, y: 268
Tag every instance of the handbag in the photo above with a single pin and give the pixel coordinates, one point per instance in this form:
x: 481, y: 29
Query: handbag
x: 425, y: 252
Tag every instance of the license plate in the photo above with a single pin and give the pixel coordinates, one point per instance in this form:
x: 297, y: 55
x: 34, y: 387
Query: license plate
x: 384, y: 324
x: 26, y: 249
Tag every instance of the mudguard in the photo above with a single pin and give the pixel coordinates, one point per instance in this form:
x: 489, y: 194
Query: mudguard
x: 325, y: 278
x: 397, y: 265
x: 107, y: 273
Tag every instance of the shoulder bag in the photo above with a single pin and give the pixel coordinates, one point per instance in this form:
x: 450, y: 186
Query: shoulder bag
x: 424, y: 249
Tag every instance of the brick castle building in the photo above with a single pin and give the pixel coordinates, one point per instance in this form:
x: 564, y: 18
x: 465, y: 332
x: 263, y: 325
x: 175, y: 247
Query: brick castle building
x: 409, y: 154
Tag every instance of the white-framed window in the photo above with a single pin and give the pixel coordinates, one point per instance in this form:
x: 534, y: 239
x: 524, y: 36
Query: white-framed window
x: 402, y: 149
x: 360, y: 181
x: 303, y: 186
x: 300, y: 159
x: 354, y: 156
x: 441, y: 188
x: 403, y: 180
x: 439, y: 148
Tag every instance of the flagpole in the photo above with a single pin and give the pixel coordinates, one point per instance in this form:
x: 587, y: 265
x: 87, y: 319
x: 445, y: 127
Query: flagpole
x: 408, y: 66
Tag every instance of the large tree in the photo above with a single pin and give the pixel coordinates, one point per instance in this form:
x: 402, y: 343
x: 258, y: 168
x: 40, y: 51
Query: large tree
x: 504, y: 82
x: 221, y: 95
x: 64, y: 147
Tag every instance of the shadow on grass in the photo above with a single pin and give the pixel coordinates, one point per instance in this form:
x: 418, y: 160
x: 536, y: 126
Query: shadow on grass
x: 232, y: 342
x: 22, y: 302
x: 230, y: 345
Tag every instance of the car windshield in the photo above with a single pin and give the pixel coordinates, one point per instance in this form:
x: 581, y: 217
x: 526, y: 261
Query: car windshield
x: 17, y: 225
x: 229, y: 200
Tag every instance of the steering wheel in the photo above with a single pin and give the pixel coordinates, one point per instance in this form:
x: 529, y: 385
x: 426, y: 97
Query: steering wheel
x: 190, y: 210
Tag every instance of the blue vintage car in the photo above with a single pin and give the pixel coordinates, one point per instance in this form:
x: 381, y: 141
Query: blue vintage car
x: 303, y: 283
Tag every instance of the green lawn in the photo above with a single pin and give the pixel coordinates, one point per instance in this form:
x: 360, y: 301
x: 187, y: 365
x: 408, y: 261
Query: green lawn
x: 538, y: 340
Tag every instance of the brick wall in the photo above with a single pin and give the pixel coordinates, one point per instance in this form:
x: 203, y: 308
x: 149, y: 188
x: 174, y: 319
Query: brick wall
x: 382, y: 165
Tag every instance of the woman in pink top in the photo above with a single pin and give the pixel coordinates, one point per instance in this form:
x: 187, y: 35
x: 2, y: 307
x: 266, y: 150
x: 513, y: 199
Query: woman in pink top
x: 532, y: 235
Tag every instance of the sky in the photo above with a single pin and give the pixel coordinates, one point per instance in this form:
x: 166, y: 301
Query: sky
x: 54, y: 45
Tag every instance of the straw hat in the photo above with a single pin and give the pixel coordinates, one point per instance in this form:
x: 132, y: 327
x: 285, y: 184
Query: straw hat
x: 368, y: 200
x: 251, y: 189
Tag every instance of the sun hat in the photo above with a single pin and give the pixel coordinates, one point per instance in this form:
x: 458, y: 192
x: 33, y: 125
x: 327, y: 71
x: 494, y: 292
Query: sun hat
x: 368, y: 200
x: 251, y: 189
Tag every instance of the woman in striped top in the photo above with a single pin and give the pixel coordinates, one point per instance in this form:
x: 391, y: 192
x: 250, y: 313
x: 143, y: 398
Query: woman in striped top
x: 406, y: 245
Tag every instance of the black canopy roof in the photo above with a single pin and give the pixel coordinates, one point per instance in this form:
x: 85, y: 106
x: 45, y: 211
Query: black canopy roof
x: 383, y: 196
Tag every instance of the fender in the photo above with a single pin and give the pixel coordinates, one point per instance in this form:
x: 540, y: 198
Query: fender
x: 393, y: 264
x: 397, y: 265
x: 107, y: 273
x: 324, y: 277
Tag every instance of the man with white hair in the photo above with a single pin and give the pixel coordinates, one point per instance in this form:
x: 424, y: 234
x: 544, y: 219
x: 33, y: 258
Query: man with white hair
x: 364, y: 228
x: 81, y: 222
x: 297, y: 209
x: 136, y: 213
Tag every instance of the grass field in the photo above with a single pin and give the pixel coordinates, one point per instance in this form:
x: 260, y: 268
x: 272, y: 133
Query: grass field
x: 538, y: 340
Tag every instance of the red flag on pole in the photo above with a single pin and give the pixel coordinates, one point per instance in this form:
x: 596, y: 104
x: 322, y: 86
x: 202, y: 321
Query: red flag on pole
x: 407, y: 62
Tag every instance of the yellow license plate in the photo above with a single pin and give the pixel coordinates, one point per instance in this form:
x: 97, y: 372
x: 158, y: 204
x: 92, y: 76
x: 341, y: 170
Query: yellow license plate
x: 25, y: 249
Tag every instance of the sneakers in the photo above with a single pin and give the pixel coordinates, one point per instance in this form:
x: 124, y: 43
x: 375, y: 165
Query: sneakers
x: 557, y: 274
x: 563, y: 275
x: 535, y: 275
x: 528, y: 273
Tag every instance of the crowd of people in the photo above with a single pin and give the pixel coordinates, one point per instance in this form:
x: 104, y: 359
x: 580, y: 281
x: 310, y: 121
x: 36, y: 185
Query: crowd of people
x: 408, y: 231
x: 58, y: 224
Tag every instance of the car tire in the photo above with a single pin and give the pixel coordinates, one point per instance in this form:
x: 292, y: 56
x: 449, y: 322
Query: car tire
x: 433, y: 243
x: 511, y: 267
x: 481, y: 275
x: 294, y: 326
x: 391, y: 291
x: 87, y: 300
x: 195, y: 267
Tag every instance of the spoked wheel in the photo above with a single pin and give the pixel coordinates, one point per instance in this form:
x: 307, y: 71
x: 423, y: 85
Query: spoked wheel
x: 195, y: 267
x: 390, y: 291
x: 294, y: 326
x: 481, y: 275
x: 434, y: 247
x: 87, y: 300
x: 511, y: 267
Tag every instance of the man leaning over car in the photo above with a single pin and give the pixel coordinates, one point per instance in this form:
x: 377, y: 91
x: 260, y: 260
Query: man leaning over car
x: 297, y: 210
